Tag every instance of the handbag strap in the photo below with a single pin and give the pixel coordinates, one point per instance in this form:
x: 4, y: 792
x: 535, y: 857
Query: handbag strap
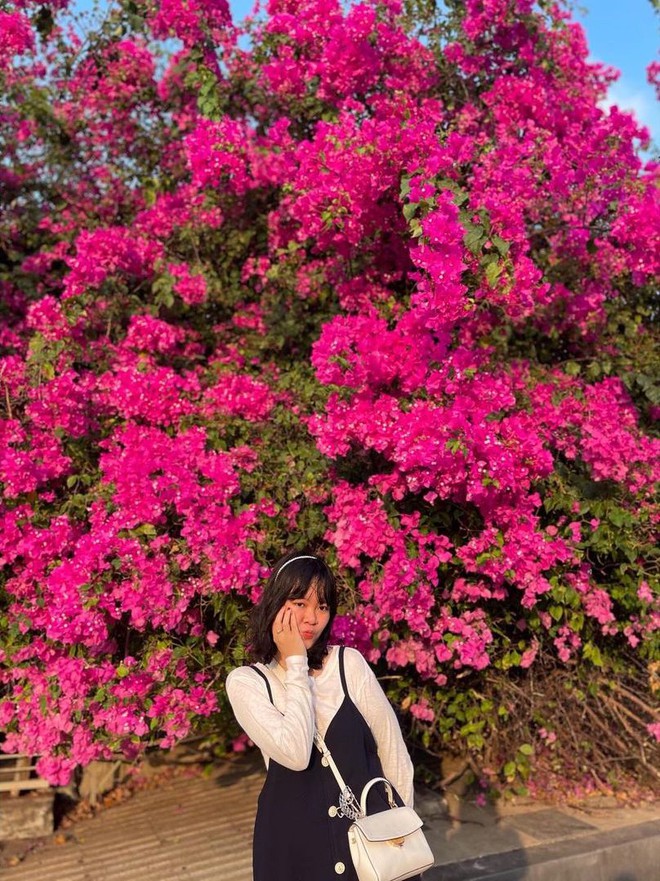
x: 327, y: 755
x: 349, y: 806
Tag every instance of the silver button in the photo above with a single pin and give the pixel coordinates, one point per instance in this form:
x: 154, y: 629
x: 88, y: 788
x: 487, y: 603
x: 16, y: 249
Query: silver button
x: 324, y: 762
x: 340, y: 868
x: 332, y: 811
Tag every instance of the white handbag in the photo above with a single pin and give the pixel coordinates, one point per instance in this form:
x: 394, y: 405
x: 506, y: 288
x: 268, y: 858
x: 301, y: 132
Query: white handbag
x: 385, y: 846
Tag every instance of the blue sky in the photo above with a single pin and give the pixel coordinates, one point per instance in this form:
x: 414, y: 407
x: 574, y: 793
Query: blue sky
x: 624, y: 33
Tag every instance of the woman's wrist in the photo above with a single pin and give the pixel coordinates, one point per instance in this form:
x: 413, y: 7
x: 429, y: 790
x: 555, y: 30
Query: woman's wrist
x: 295, y: 662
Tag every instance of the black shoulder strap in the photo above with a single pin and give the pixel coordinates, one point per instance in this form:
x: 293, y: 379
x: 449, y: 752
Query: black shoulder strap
x: 265, y: 679
x: 342, y: 672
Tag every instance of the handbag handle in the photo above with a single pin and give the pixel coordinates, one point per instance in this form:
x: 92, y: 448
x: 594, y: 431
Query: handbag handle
x: 365, y: 793
x: 349, y: 805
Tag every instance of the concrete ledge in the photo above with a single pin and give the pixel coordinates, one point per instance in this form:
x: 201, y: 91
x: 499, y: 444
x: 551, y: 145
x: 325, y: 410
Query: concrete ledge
x: 631, y: 853
x: 27, y: 816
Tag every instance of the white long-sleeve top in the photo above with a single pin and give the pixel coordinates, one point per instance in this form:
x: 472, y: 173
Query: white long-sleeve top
x: 284, y: 731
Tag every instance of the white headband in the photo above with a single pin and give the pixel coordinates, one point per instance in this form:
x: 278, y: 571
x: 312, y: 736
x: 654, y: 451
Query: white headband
x: 293, y: 560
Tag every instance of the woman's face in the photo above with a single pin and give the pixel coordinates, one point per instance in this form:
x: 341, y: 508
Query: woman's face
x: 311, y: 614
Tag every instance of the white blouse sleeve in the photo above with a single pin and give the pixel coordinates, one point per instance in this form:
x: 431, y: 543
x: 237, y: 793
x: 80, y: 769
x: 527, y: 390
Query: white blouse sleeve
x: 287, y: 737
x: 371, y: 701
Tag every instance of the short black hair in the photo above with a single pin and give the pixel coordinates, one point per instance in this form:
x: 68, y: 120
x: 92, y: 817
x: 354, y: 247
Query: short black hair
x: 289, y: 583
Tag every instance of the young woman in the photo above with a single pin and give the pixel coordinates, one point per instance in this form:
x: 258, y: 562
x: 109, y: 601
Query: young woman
x: 300, y: 684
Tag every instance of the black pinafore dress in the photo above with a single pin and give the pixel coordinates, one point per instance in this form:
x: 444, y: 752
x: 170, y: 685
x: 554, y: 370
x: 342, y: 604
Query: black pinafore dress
x: 297, y: 834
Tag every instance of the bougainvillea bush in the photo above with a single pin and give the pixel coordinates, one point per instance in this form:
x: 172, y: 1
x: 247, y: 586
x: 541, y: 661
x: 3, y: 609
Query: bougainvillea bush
x: 371, y: 279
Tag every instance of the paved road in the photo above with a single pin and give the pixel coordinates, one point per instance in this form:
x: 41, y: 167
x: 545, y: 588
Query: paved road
x: 189, y: 830
x: 200, y: 829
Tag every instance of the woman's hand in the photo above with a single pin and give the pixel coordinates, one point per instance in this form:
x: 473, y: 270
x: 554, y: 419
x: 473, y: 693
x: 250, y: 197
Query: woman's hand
x: 286, y: 634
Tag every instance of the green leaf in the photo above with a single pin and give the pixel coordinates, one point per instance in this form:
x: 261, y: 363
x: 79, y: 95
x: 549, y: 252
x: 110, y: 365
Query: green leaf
x: 576, y: 621
x: 409, y: 210
x: 592, y: 653
x: 502, y: 246
x: 510, y: 659
x: 556, y: 612
x: 493, y: 272
x: 232, y: 613
x: 474, y: 238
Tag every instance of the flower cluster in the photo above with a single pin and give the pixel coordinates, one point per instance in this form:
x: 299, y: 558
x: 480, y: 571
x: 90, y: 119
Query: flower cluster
x: 337, y: 280
x: 17, y: 36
